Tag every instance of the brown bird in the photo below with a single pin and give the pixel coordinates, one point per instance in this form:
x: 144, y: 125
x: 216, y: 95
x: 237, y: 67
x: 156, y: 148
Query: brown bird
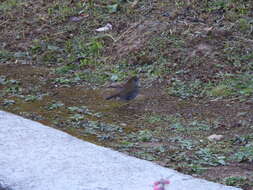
x: 128, y: 91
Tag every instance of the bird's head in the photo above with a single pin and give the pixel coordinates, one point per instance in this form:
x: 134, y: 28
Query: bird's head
x: 134, y: 79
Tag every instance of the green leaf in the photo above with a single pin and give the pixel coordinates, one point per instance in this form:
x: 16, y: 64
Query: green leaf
x: 113, y: 8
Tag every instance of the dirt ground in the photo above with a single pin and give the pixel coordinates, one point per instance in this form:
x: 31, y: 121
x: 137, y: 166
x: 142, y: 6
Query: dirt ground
x: 194, y: 60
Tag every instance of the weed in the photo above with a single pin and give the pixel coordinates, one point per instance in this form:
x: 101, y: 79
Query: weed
x: 235, y: 180
x: 81, y: 58
x: 145, y: 155
x: 102, y: 126
x: 5, y: 55
x: 105, y: 137
x: 8, y: 102
x: 59, y: 11
x: 14, y: 90
x: 3, y: 80
x: 244, y: 25
x: 244, y: 154
x: 84, y: 110
x: 50, y: 57
x: 9, y: 4
x: 113, y: 8
x: 144, y: 136
x: 194, y: 168
x: 186, y: 90
x: 220, y: 90
x: 199, y: 125
x: 207, y: 157
x: 179, y: 127
x: 65, y: 69
x: 31, y: 98
x: 155, y: 119
x: 77, y: 117
x: 37, y: 46
x: 63, y: 81
x: 241, y: 84
x: 186, y: 144
x: 55, y: 105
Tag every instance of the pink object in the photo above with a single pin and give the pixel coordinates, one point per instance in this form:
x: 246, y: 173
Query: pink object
x: 160, y: 185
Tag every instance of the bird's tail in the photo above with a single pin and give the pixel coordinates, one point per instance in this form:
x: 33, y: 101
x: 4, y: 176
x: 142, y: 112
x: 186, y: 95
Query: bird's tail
x: 112, y: 96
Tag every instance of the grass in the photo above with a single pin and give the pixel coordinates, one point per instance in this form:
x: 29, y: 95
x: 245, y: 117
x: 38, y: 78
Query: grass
x: 237, y: 85
x: 194, y: 60
x: 9, y: 5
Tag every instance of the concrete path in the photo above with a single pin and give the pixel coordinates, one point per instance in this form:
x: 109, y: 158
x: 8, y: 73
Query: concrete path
x: 37, y: 157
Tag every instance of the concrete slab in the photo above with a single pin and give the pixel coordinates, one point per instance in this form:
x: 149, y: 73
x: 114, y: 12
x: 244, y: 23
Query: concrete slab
x: 37, y: 157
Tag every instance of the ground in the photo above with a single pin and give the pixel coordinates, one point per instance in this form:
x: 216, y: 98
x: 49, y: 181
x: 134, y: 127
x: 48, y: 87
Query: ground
x: 194, y: 59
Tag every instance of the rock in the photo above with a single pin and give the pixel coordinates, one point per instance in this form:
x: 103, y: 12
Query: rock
x: 215, y: 137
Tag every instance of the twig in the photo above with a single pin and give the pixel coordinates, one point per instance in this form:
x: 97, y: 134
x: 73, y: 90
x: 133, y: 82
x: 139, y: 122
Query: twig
x: 241, y: 38
x: 4, y: 22
x: 127, y: 31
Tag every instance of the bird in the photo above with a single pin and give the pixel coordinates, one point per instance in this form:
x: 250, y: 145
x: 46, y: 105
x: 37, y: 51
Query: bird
x: 127, y: 91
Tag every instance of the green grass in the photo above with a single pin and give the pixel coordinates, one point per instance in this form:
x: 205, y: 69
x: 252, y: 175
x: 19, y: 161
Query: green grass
x: 185, y: 90
x: 236, y: 181
x: 9, y: 5
x: 236, y: 85
x: 171, y: 64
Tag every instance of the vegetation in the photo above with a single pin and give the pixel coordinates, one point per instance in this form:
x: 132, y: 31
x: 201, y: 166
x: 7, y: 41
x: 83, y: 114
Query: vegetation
x: 194, y: 58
